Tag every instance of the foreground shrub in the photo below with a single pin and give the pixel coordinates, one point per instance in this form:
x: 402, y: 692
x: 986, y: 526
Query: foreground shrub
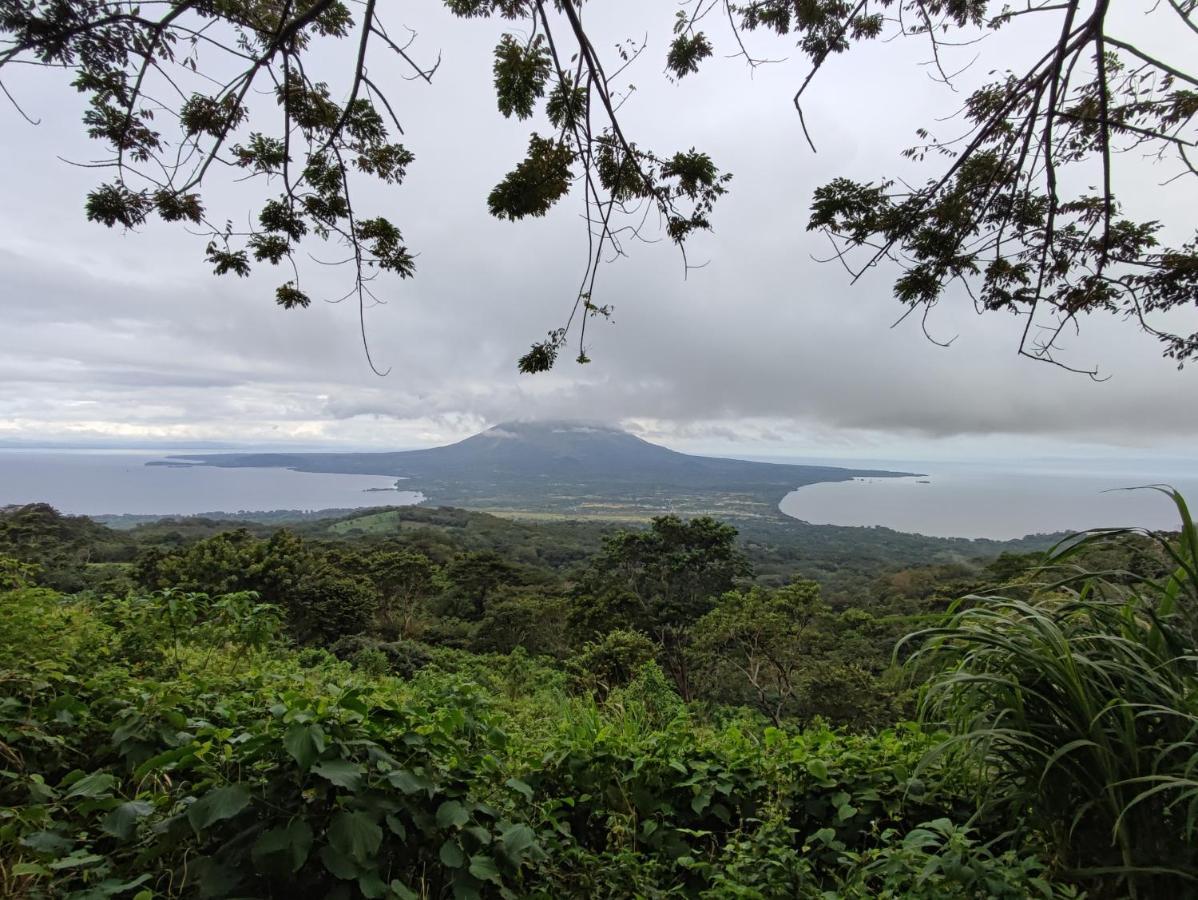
x: 1078, y: 710
x: 212, y: 764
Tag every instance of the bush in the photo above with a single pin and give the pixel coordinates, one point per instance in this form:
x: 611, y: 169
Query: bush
x: 402, y: 658
x: 1078, y: 709
x: 613, y: 660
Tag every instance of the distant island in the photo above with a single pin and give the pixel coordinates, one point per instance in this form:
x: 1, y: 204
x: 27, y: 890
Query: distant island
x: 567, y: 469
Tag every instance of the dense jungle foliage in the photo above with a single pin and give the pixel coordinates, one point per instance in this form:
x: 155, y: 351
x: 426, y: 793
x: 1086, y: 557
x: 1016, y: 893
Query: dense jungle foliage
x: 417, y: 710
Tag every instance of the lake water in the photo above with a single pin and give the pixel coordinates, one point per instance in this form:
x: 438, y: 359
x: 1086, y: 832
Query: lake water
x: 959, y: 499
x: 997, y: 501
x: 97, y: 483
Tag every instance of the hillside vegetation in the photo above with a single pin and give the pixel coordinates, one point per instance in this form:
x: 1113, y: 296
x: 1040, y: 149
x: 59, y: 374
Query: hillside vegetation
x: 437, y: 705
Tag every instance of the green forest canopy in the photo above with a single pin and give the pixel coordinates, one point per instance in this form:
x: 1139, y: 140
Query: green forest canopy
x: 188, y: 710
x: 1019, y: 214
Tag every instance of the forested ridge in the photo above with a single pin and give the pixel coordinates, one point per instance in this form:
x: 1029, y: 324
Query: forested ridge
x: 435, y: 703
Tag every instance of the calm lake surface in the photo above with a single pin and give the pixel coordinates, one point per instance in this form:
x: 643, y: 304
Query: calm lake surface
x: 1001, y: 502
x: 958, y: 499
x: 98, y: 483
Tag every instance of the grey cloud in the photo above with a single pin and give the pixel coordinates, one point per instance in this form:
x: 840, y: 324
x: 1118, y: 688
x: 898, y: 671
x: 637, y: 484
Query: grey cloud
x: 130, y: 335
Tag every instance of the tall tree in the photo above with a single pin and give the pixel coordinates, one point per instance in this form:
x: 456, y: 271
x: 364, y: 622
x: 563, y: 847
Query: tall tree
x: 767, y: 636
x: 406, y: 582
x: 660, y: 582
x: 1007, y: 219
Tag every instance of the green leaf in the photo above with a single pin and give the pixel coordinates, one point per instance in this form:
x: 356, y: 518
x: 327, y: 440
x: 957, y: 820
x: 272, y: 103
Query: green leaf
x: 818, y: 768
x: 214, y: 878
x: 355, y: 834
x: 283, y: 849
x: 410, y: 782
x: 122, y: 821
x: 218, y: 805
x: 337, y: 863
x: 166, y: 761
x: 397, y: 827
x: 452, y: 813
x: 305, y: 743
x: 49, y: 843
x: 517, y: 785
x: 30, y: 868
x: 76, y: 860
x: 371, y: 885
x: 341, y: 772
x: 465, y: 887
x: 451, y: 855
x: 484, y: 869
x: 98, y: 784
x: 480, y: 834
x: 518, y: 837
x: 352, y: 700
x: 115, y: 887
x: 402, y: 891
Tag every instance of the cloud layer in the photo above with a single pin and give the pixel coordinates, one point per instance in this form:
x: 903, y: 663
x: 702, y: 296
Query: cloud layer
x: 127, y: 336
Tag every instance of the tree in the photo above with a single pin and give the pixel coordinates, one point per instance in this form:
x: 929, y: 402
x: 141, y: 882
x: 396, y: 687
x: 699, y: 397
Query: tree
x: 613, y: 660
x: 475, y: 577
x: 767, y: 636
x: 1002, y: 219
x: 321, y: 602
x: 406, y: 582
x: 532, y: 620
x: 660, y: 582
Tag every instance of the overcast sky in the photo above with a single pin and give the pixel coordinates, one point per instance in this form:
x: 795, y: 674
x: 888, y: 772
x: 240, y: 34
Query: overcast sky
x: 764, y: 351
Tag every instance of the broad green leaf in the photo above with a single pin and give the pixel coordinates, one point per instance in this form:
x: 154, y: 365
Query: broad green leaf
x: 33, y: 869
x: 122, y: 821
x: 452, y: 813
x: 341, y: 772
x: 75, y: 861
x: 218, y: 805
x: 396, y: 827
x: 516, y: 839
x: 484, y: 869
x: 480, y: 834
x: 409, y: 782
x: 215, y: 878
x: 115, y: 887
x: 98, y: 784
x: 283, y: 848
x: 371, y: 885
x: 167, y: 760
x: 50, y: 843
x: 451, y: 855
x: 517, y: 785
x: 355, y: 834
x: 337, y: 863
x: 305, y: 743
x: 466, y: 887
